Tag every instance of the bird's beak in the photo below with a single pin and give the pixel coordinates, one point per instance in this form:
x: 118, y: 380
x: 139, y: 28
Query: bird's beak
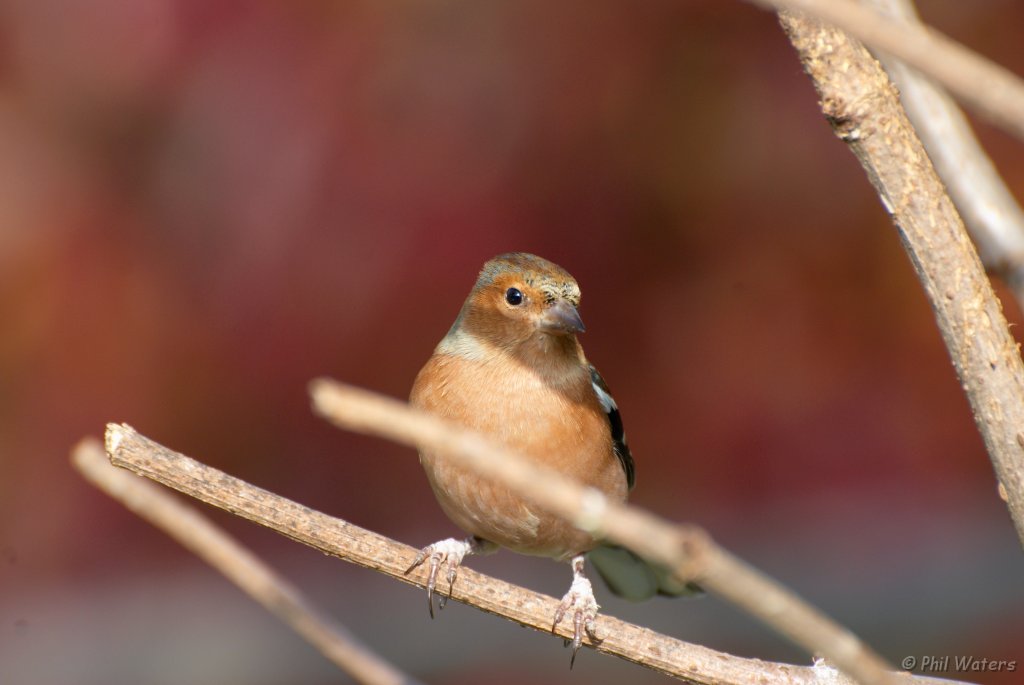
x: 561, y: 318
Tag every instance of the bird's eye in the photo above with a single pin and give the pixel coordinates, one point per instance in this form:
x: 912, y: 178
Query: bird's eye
x: 514, y: 297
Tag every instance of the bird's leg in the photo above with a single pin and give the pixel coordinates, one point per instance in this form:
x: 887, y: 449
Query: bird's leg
x: 449, y: 552
x: 580, y: 598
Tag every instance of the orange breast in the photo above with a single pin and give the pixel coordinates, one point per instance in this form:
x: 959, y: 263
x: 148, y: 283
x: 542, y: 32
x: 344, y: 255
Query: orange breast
x: 564, y: 428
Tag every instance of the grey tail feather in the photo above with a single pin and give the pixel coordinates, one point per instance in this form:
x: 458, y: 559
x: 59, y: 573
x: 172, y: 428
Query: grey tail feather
x: 629, y: 576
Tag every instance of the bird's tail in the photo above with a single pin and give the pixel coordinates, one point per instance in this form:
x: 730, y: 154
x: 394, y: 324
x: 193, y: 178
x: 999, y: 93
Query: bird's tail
x: 629, y: 576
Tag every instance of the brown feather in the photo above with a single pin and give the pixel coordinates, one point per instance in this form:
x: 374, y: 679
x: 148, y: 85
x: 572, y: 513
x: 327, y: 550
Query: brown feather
x: 563, y: 427
x: 502, y: 372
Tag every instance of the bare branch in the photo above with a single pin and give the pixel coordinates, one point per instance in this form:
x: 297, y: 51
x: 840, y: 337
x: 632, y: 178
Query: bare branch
x: 197, y: 533
x: 992, y: 90
x: 691, y: 663
x: 992, y: 215
x: 686, y: 550
x: 864, y: 110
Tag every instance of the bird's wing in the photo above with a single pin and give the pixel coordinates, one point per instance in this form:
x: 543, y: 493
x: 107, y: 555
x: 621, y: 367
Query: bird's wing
x: 625, y: 573
x: 615, y: 423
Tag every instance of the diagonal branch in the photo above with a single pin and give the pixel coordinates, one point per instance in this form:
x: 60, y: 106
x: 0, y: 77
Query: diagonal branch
x: 992, y: 90
x: 864, y: 110
x: 197, y: 533
x: 686, y: 550
x: 990, y: 212
x: 691, y: 663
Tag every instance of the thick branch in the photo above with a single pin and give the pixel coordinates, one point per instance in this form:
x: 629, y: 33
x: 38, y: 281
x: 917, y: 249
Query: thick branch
x: 864, y: 110
x: 197, y: 533
x: 687, y: 551
x: 991, y: 213
x: 692, y: 663
x: 992, y: 90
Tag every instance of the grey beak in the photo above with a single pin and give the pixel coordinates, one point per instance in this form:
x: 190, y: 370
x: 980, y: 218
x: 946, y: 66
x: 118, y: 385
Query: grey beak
x: 561, y: 317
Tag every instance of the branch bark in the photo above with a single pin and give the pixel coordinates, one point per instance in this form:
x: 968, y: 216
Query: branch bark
x: 992, y: 90
x: 686, y: 550
x: 692, y: 663
x: 211, y: 544
x: 864, y: 110
x: 990, y: 212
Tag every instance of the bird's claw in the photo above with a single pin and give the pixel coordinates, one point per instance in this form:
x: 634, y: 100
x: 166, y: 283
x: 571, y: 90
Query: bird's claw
x: 449, y: 552
x: 579, y: 598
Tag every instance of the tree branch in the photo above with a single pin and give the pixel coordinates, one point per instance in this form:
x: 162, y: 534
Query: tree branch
x: 686, y: 550
x: 990, y: 212
x: 864, y: 110
x: 992, y: 90
x: 692, y: 663
x: 211, y: 544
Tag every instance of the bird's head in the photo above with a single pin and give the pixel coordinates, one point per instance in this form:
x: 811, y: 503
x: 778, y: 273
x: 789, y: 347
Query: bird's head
x: 520, y: 297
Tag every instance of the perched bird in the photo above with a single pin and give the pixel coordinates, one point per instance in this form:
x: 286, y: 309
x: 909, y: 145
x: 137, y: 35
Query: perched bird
x: 511, y: 368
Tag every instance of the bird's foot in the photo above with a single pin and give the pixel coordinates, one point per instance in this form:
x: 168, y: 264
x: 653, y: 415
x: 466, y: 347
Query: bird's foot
x: 579, y: 599
x: 450, y: 553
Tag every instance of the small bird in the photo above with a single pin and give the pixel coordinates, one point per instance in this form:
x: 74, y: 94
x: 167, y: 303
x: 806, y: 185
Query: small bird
x: 512, y: 368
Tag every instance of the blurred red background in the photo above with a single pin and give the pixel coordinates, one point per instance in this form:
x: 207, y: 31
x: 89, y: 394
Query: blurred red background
x: 205, y: 205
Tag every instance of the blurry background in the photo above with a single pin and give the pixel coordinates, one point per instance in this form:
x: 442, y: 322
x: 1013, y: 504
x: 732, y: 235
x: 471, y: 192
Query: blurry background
x: 204, y: 205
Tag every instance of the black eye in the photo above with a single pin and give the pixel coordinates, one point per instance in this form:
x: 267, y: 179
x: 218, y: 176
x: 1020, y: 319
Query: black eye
x: 514, y: 297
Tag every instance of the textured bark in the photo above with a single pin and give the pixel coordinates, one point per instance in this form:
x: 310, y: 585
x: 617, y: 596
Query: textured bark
x: 864, y: 110
x: 691, y: 663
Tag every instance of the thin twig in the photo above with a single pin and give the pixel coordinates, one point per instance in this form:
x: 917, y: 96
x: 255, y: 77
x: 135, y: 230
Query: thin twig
x: 993, y: 91
x: 691, y: 663
x: 193, y: 530
x: 864, y: 110
x: 686, y: 550
x: 991, y: 213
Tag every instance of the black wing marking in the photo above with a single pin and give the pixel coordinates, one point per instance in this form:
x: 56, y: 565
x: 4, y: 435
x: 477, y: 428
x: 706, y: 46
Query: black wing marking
x: 615, y: 421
